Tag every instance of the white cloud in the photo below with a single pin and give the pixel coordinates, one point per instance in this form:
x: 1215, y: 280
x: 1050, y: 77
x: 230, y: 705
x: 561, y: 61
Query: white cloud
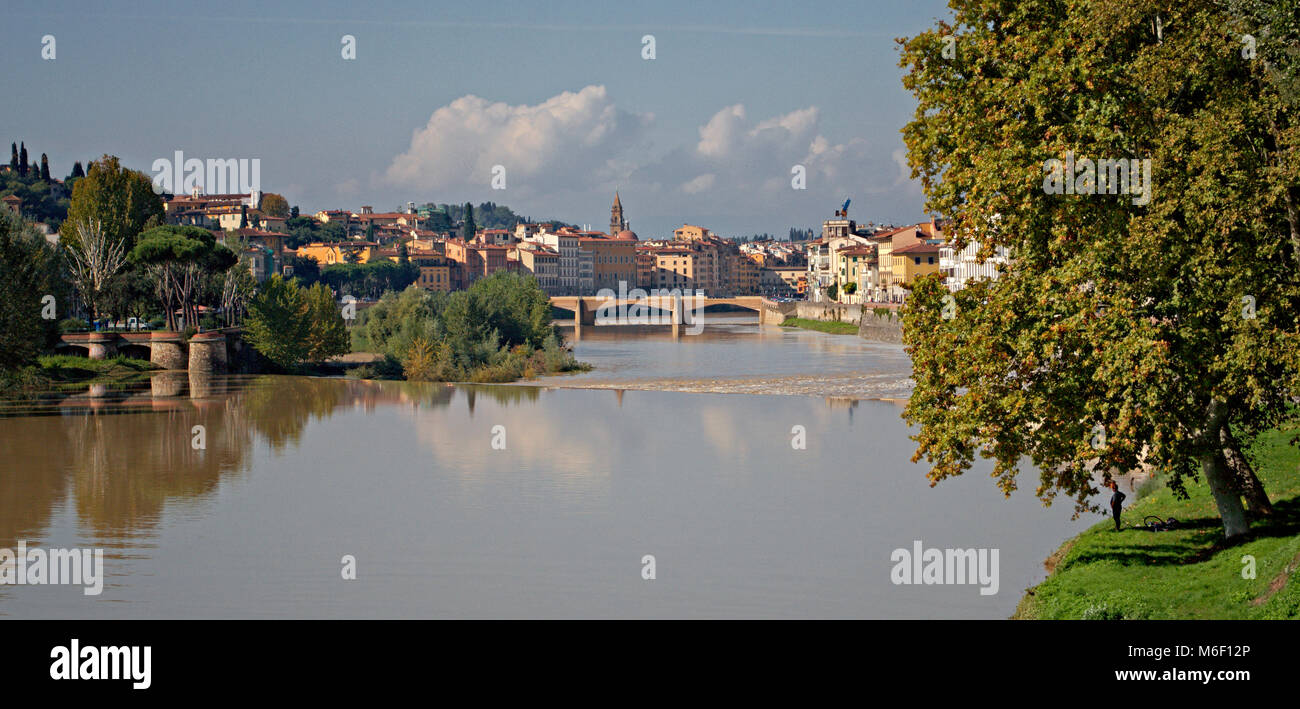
x: 560, y: 152
x: 571, y: 140
x: 700, y: 184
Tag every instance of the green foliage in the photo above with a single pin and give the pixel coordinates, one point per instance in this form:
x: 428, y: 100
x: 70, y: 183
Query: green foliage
x: 328, y: 336
x: 305, y: 230
x: 833, y: 327
x: 306, y: 270
x: 122, y: 201
x: 369, y: 279
x: 39, y: 203
x: 73, y: 325
x: 28, y: 272
x: 289, y: 324
x: 1186, y: 573
x: 274, y: 205
x: 1114, y: 313
x: 467, y: 225
x: 182, y: 259
x: 498, y: 330
x: 278, y: 325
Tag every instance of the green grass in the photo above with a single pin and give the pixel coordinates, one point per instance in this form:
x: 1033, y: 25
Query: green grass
x: 833, y: 327
x: 54, y: 372
x: 1187, y: 573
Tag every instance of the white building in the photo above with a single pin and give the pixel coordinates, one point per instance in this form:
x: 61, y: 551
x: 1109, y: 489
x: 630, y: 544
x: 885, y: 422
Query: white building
x: 568, y: 266
x: 958, y: 267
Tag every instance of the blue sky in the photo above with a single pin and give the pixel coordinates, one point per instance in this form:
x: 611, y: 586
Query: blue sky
x: 557, y: 93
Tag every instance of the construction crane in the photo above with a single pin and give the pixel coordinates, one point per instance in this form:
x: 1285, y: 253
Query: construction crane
x: 843, y: 212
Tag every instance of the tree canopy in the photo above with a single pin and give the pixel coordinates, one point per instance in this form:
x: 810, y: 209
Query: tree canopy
x: 120, y: 200
x: 1136, y: 323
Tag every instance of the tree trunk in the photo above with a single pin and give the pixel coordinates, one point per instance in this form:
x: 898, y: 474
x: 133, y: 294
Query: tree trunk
x: 1291, y: 195
x: 1252, y: 489
x: 1214, y: 467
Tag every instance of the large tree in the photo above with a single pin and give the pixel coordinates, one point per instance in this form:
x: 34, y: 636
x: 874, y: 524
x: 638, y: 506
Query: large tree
x: 1139, y: 322
x: 277, y: 325
x: 181, y: 258
x: 274, y: 205
x: 121, y: 200
x: 327, y: 333
x: 467, y: 227
x: 94, y: 261
x: 28, y: 273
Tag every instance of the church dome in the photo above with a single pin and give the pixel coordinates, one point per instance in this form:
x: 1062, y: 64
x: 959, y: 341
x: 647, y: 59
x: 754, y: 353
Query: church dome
x: 627, y: 234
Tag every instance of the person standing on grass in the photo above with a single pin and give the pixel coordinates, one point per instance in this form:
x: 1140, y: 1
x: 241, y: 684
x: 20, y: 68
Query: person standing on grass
x: 1116, y: 503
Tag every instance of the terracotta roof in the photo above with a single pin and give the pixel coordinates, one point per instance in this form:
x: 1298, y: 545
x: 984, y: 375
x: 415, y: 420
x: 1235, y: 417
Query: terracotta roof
x: 858, y: 251
x: 919, y: 248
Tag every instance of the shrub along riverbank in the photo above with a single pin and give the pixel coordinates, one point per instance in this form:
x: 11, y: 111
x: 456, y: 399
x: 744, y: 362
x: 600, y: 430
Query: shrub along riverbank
x: 498, y: 330
x: 51, y: 371
x: 1188, y: 572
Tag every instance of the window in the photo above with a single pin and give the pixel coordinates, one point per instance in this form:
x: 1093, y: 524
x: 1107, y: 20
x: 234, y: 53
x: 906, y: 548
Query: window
x: 918, y: 260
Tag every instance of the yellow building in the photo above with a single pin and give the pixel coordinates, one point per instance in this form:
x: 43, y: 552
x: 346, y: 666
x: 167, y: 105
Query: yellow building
x: 912, y: 262
x: 690, y: 232
x: 676, y: 267
x: 612, y: 261
x: 329, y: 254
x: 435, y: 277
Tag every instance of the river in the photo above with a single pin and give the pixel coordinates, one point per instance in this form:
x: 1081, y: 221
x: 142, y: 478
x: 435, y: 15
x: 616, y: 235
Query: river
x: 541, y: 499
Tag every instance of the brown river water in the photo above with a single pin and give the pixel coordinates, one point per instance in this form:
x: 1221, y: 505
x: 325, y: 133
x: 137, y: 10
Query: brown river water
x: 539, y: 499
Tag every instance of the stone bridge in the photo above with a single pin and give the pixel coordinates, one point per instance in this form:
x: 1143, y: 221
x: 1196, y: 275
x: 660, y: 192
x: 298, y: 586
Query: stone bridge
x: 675, y: 311
x: 209, y: 351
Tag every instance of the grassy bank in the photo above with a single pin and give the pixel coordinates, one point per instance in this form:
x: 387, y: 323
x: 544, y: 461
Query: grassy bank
x: 1187, y: 573
x: 52, y: 371
x: 833, y: 327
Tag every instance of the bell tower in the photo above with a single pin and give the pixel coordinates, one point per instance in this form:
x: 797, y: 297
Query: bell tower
x: 616, y: 221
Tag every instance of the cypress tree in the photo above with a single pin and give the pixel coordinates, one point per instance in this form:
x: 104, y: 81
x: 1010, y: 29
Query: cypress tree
x: 13, y: 157
x: 467, y: 227
x: 45, y: 168
x: 22, y: 160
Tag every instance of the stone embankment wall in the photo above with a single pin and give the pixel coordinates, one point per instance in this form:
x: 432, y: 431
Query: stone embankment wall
x: 874, y: 324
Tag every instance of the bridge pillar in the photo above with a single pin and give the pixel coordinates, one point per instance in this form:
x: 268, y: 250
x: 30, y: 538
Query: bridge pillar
x: 99, y: 345
x: 166, y: 384
x: 208, y: 352
x: 677, y: 315
x: 167, y: 349
x: 578, y: 307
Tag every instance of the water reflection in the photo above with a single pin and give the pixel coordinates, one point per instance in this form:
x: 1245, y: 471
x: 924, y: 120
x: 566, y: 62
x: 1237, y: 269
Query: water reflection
x: 127, y: 451
x: 295, y: 472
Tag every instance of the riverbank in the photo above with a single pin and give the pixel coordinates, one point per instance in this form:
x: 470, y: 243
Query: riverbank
x: 53, y: 371
x: 833, y: 327
x: 1186, y: 573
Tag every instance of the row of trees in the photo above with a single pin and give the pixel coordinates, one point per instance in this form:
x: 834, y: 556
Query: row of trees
x: 1121, y: 334
x: 370, y: 279
x: 18, y: 163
